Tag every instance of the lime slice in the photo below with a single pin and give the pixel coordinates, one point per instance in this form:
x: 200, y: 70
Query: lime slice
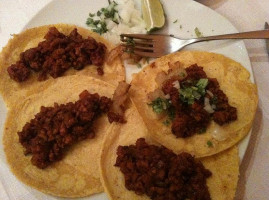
x: 153, y: 14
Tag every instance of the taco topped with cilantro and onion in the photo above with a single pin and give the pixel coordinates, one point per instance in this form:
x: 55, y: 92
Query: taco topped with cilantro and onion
x: 197, y: 102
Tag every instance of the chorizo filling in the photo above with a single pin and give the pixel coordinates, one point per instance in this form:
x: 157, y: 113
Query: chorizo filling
x: 54, y: 129
x: 56, y: 54
x: 191, y: 100
x: 161, y: 174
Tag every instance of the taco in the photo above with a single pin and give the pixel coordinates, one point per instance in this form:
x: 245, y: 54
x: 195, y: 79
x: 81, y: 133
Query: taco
x: 75, y: 172
x: 197, y: 102
x: 39, y: 54
x: 221, y: 185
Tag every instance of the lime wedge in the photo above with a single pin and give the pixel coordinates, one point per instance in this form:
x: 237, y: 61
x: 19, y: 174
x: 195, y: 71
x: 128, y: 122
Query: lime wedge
x: 153, y: 14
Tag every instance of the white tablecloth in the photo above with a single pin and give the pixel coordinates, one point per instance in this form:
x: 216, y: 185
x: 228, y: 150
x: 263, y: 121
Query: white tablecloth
x: 245, y: 15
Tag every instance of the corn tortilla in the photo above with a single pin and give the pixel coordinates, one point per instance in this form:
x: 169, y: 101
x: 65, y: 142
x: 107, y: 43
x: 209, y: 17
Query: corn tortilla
x: 77, y: 174
x: 234, y: 82
x: 224, y: 166
x: 30, y: 38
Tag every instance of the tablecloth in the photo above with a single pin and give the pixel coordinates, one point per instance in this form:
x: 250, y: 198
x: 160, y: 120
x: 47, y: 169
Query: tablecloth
x: 245, y: 15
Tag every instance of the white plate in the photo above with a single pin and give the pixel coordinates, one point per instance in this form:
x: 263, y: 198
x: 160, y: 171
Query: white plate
x: 189, y: 15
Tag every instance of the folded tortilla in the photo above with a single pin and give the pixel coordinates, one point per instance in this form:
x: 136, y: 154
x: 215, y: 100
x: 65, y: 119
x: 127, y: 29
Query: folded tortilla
x: 234, y: 81
x: 77, y: 174
x: 224, y: 166
x: 12, y: 90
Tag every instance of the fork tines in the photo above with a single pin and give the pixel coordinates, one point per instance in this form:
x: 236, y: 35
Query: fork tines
x: 140, y: 44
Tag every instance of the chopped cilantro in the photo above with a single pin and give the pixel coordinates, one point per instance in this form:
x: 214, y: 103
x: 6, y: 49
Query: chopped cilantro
x: 130, y: 41
x: 190, y: 94
x: 202, y: 83
x: 198, y: 32
x: 175, y: 21
x: 209, y: 143
x: 159, y: 105
x: 180, y: 26
x: 171, y: 112
x: 97, y: 21
x: 214, y: 100
x: 167, y: 122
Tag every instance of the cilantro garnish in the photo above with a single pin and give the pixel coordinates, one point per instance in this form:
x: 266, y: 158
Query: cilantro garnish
x: 171, y: 112
x: 198, y: 32
x: 192, y: 93
x: 209, y: 143
x: 130, y: 41
x: 175, y: 21
x: 159, y: 105
x: 97, y: 21
x: 214, y: 100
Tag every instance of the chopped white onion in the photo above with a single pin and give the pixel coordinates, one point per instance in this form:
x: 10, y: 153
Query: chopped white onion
x: 176, y: 85
x: 130, y: 21
x: 167, y: 96
x: 219, y: 133
x: 209, y: 93
x: 207, y: 106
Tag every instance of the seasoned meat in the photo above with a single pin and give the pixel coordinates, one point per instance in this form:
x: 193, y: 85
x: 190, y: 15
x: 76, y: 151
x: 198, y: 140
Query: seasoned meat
x: 56, y: 54
x: 55, y: 128
x: 160, y: 174
x: 191, y: 117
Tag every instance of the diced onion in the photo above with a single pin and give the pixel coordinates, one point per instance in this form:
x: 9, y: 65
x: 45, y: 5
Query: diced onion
x: 167, y: 96
x: 219, y: 133
x: 176, y: 85
x: 209, y: 93
x: 207, y: 106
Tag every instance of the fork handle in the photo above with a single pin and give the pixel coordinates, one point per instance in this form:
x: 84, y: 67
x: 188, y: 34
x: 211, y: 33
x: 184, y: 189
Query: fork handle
x: 263, y: 34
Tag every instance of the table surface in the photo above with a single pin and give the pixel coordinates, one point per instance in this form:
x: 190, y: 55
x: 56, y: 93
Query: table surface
x: 245, y: 15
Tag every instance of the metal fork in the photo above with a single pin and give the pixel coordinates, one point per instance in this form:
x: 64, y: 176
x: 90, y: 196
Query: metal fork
x: 159, y: 45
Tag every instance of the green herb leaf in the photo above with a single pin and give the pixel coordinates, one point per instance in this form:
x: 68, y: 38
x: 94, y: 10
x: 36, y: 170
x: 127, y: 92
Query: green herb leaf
x: 209, y: 143
x: 202, y: 83
x: 171, y: 112
x: 198, y: 33
x: 192, y: 93
x: 175, y: 21
x: 159, y: 105
x: 214, y: 100
x: 130, y: 41
x: 98, y: 23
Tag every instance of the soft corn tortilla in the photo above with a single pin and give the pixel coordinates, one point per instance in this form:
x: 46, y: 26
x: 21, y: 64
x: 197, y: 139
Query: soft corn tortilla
x: 12, y: 90
x: 77, y: 174
x: 224, y: 166
x: 234, y: 81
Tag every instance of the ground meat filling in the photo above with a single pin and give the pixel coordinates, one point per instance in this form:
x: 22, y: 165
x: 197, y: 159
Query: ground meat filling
x: 161, y: 174
x: 56, y: 128
x: 191, y: 118
x: 56, y: 54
